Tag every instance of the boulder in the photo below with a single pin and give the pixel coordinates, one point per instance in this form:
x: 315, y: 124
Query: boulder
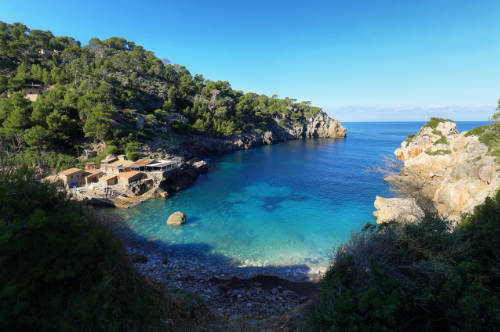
x: 176, y: 219
x: 201, y: 165
x: 397, y: 209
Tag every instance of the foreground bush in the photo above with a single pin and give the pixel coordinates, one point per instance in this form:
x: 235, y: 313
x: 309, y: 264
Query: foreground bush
x: 416, y: 276
x: 59, y: 270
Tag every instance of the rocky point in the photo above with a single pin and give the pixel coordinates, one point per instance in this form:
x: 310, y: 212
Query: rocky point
x: 444, y: 171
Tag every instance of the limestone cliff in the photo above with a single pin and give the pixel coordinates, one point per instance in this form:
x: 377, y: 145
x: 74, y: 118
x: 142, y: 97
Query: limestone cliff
x: 451, y: 171
x: 319, y: 125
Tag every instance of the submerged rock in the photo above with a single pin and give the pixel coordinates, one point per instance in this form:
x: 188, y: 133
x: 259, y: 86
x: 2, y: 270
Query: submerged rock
x: 176, y: 219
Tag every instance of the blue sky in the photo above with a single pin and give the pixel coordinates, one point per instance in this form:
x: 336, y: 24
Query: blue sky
x: 359, y: 60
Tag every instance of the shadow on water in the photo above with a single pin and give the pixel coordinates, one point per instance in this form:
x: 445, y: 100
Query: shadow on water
x: 225, y: 271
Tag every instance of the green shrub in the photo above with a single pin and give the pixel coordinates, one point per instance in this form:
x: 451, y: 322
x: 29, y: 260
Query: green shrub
x: 132, y: 151
x: 416, y: 276
x: 110, y: 149
x: 434, y: 122
x: 60, y: 270
x: 44, y: 159
x: 410, y: 138
x: 489, y: 136
x: 438, y: 152
x: 181, y: 127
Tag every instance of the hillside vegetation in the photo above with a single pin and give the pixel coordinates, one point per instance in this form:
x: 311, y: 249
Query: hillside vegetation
x: 61, y: 270
x: 422, y: 276
x: 117, y: 92
x: 490, y: 135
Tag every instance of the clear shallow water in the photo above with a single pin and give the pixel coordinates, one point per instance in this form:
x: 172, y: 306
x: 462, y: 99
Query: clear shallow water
x: 284, y: 204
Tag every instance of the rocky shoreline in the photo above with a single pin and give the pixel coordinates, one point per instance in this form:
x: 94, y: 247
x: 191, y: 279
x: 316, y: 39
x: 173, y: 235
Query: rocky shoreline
x: 319, y: 125
x: 230, y: 291
x: 444, y: 171
x: 229, y: 288
x: 190, y: 154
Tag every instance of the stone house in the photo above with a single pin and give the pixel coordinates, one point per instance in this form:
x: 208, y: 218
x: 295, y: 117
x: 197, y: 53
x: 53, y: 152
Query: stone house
x: 130, y: 177
x: 90, y: 166
x: 72, y: 177
x: 32, y: 91
x: 108, y: 180
x: 117, y: 166
x: 92, y: 175
x: 140, y: 165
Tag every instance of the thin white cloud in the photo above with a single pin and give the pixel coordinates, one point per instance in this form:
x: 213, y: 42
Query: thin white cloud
x: 411, y: 112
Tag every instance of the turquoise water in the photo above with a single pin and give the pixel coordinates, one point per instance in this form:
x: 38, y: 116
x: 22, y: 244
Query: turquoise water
x: 284, y: 204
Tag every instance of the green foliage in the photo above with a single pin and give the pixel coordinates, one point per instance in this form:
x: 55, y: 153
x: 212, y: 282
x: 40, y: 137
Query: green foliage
x: 110, y: 149
x: 410, y: 138
x: 490, y: 136
x: 44, y: 159
x: 438, y: 152
x: 442, y: 139
x: 97, y: 124
x: 434, y: 122
x: 36, y: 136
x: 95, y: 92
x: 132, y: 151
x: 416, y: 276
x: 181, y: 127
x: 60, y: 270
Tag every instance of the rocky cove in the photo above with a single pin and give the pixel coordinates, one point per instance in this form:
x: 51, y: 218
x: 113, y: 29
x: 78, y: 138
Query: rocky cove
x: 189, y: 154
x: 231, y: 289
x: 234, y: 290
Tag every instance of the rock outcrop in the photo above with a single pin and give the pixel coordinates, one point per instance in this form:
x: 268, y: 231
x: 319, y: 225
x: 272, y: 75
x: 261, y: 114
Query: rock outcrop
x: 396, y: 209
x: 176, y: 219
x: 319, y: 125
x: 450, y: 170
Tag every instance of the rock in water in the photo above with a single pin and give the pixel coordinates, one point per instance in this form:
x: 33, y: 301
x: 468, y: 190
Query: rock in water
x: 176, y: 219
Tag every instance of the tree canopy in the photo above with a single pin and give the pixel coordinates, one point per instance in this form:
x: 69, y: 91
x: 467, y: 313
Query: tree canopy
x: 117, y: 92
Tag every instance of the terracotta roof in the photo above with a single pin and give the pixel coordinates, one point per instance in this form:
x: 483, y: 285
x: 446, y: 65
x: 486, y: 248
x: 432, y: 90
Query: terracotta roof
x: 119, y: 163
x: 128, y: 175
x: 107, y: 177
x: 143, y: 162
x: 92, y: 172
x: 70, y: 171
x: 109, y: 158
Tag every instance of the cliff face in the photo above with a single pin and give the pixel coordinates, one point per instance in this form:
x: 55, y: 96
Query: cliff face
x: 319, y: 125
x: 451, y: 171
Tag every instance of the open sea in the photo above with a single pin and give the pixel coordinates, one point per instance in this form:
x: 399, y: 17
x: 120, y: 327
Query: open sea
x: 284, y: 204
